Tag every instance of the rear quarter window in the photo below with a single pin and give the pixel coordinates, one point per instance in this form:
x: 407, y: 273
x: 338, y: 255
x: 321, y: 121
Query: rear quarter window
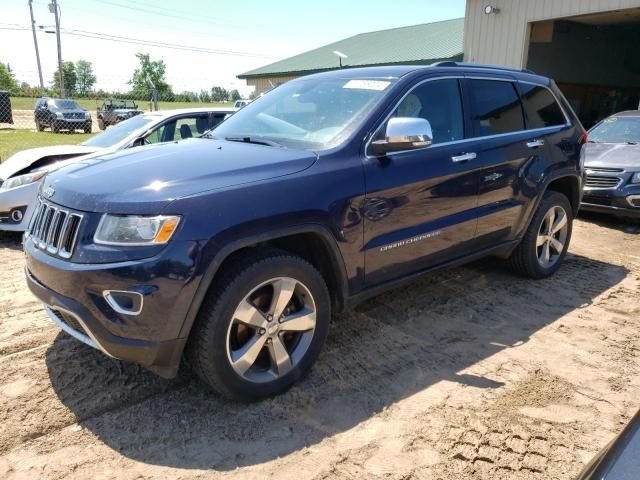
x: 541, y: 107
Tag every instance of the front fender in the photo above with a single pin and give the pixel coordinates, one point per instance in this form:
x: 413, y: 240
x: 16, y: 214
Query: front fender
x: 213, y: 256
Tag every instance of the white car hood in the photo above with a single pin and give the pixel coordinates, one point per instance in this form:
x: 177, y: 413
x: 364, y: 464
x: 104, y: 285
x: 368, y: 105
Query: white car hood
x: 25, y: 158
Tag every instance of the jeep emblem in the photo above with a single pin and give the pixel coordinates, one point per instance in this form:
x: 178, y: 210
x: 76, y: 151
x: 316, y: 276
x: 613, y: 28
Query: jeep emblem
x: 48, y: 192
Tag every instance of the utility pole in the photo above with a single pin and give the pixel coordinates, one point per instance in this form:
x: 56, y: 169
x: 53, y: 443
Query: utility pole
x: 53, y: 8
x: 35, y: 43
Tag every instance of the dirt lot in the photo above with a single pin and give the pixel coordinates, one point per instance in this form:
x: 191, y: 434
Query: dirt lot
x: 470, y: 373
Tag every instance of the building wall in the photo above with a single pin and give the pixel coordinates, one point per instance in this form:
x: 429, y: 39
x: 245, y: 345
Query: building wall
x: 503, y: 38
x: 263, y: 84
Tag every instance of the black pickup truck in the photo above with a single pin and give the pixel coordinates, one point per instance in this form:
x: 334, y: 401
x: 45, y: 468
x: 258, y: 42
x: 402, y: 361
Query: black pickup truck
x: 236, y: 247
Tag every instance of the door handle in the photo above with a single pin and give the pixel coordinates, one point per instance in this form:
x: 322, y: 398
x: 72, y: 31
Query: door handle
x: 463, y: 157
x: 535, y: 143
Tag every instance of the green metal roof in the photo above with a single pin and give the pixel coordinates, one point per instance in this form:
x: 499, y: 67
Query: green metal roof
x: 424, y: 43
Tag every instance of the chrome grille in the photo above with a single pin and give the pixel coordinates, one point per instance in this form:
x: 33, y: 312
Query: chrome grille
x: 54, y: 229
x: 73, y: 115
x: 602, y: 181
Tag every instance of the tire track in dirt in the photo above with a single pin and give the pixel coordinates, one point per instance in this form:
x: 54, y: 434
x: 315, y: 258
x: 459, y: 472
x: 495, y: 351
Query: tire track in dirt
x: 469, y: 331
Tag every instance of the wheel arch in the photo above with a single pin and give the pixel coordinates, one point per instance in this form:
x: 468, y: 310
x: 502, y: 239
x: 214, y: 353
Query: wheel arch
x: 570, y: 187
x: 313, y: 242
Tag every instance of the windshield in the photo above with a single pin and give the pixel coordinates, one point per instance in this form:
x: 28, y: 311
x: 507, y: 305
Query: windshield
x: 65, y: 104
x: 313, y: 114
x: 616, y: 130
x: 120, y: 131
x: 122, y: 104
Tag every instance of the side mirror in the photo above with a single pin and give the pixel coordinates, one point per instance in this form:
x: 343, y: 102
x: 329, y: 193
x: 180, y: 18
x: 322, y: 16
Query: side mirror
x: 404, y: 133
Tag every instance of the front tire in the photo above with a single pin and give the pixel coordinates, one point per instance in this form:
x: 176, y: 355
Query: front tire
x: 55, y: 128
x: 546, y: 241
x: 39, y: 126
x: 101, y: 125
x: 261, y: 326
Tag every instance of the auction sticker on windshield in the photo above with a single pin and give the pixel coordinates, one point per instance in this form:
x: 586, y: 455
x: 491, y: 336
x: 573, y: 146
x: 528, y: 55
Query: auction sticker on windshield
x: 367, y: 84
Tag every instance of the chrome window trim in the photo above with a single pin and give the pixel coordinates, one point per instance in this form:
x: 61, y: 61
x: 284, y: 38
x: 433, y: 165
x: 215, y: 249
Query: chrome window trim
x: 464, y: 140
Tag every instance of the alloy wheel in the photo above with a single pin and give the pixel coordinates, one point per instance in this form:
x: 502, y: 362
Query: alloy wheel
x: 271, y: 329
x: 552, y: 236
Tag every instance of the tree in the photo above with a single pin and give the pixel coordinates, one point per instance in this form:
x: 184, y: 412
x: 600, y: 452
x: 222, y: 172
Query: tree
x: 7, y: 82
x: 234, y: 95
x: 86, y: 79
x: 205, y: 96
x: 219, y: 94
x: 70, y: 78
x: 151, y: 73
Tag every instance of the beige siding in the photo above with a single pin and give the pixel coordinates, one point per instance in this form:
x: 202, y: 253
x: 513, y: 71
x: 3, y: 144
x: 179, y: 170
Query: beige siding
x: 263, y: 84
x: 502, y: 38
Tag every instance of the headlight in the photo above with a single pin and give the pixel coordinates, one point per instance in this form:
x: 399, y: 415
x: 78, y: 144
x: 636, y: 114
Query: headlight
x: 59, y: 115
x: 135, y: 230
x: 20, y: 180
x: 635, y: 178
x: 87, y: 115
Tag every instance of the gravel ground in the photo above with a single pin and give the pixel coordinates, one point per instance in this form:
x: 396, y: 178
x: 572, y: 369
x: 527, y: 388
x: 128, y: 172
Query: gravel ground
x: 468, y: 373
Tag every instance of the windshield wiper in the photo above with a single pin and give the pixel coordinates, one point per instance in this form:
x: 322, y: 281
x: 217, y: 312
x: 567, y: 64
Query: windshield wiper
x: 254, y: 140
x: 632, y: 143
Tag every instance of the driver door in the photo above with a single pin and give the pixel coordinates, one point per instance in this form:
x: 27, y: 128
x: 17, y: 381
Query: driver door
x: 420, y: 204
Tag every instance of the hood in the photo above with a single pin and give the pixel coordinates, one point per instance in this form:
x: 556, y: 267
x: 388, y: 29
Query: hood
x: 35, y: 157
x: 146, y: 179
x: 612, y: 155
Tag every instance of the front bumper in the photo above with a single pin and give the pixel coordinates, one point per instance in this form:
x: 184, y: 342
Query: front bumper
x: 622, y: 204
x: 72, y: 123
x: 20, y: 198
x: 73, y: 297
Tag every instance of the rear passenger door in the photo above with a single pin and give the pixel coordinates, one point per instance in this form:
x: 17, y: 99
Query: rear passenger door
x: 505, y: 149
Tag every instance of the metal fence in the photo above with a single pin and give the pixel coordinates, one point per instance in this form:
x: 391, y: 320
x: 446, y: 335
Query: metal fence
x: 30, y: 113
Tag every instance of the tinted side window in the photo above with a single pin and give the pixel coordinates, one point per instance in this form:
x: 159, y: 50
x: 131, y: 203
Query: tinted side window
x: 439, y: 102
x: 541, y: 107
x: 495, y: 107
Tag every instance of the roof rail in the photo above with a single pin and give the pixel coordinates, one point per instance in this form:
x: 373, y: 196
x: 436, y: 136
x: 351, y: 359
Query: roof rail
x: 451, y: 63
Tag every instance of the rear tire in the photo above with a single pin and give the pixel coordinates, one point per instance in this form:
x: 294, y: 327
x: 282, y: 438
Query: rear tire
x: 237, y: 348
x: 546, y: 241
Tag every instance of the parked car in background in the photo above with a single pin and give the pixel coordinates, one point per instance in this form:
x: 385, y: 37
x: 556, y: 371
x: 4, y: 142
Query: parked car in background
x: 241, y: 103
x: 238, y: 245
x: 612, y: 163
x: 114, y: 111
x: 61, y: 114
x: 620, y: 460
x: 20, y: 174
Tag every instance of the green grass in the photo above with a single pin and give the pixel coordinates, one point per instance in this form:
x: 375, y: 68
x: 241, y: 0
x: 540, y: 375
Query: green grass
x: 27, y: 103
x: 12, y: 141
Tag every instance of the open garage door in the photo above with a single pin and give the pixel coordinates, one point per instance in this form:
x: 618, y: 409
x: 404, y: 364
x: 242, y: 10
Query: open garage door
x: 595, y: 59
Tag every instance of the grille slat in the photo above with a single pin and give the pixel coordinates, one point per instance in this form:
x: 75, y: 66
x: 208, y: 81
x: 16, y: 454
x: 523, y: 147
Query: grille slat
x: 55, y: 230
x: 605, y: 170
x: 601, y: 181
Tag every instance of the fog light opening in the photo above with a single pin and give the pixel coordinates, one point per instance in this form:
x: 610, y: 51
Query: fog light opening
x: 124, y: 301
x: 17, y: 216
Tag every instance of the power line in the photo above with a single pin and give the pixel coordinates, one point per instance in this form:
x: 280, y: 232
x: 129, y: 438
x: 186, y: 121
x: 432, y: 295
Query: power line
x: 148, y: 43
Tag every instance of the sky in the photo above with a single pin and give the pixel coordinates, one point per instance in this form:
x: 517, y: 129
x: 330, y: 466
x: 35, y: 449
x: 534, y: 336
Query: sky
x: 238, y: 35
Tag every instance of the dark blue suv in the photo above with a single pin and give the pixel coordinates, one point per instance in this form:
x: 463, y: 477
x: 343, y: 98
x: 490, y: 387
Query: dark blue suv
x: 236, y: 247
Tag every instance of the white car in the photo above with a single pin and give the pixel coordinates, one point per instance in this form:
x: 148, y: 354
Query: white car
x: 21, y: 173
